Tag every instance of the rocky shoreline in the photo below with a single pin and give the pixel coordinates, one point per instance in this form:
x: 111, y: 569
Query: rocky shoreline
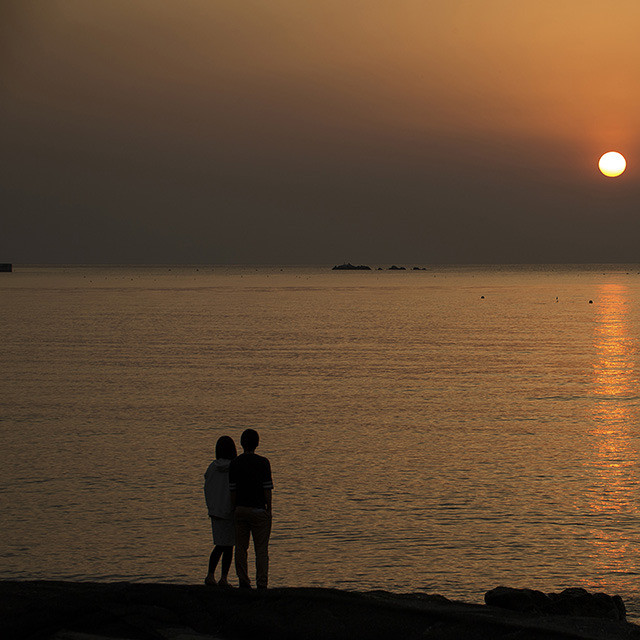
x: 137, y: 611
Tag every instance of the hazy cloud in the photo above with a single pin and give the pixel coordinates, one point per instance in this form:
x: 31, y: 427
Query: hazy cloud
x: 254, y: 131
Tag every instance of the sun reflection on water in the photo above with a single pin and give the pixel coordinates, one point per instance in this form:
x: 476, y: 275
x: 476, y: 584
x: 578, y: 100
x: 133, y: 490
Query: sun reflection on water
x: 615, y: 346
x: 613, y: 498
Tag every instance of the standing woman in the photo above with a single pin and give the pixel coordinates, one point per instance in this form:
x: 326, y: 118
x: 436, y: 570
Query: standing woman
x: 218, y: 497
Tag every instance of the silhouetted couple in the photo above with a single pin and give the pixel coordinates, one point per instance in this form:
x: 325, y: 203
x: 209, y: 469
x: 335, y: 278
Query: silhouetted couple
x: 238, y: 489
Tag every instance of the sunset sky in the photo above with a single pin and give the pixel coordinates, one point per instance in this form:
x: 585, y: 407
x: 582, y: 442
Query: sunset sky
x: 285, y: 131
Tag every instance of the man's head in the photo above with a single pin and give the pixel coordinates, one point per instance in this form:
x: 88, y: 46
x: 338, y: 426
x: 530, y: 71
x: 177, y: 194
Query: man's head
x: 249, y: 439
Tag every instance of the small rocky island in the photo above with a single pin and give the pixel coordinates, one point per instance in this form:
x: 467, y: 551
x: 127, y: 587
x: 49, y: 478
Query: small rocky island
x: 139, y: 611
x: 347, y: 266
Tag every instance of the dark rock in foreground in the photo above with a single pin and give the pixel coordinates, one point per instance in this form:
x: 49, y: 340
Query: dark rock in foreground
x: 570, y: 602
x: 66, y: 610
x: 6, y: 267
x: 347, y: 266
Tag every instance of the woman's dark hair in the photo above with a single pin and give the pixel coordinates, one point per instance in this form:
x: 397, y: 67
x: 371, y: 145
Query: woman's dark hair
x: 249, y: 439
x: 226, y: 448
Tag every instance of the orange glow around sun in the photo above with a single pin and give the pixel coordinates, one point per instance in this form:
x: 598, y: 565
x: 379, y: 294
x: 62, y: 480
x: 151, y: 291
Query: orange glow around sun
x: 612, y: 164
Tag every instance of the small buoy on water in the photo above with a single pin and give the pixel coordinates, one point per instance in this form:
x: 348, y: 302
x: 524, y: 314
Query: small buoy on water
x: 481, y: 297
x: 590, y: 301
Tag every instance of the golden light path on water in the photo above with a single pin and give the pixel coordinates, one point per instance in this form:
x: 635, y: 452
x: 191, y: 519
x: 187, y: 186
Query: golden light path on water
x: 615, y: 388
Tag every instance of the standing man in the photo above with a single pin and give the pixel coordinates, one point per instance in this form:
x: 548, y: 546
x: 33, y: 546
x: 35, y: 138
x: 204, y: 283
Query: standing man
x: 251, y: 485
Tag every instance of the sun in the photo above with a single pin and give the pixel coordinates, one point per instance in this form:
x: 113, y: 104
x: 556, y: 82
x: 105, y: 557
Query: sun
x: 612, y: 164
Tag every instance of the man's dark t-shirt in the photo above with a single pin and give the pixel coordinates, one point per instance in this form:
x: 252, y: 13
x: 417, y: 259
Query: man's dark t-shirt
x: 249, y: 476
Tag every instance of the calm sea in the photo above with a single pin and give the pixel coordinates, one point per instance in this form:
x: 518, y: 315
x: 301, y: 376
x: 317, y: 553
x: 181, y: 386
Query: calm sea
x: 447, y: 430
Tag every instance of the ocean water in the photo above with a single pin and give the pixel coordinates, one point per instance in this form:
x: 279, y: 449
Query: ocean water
x: 446, y: 431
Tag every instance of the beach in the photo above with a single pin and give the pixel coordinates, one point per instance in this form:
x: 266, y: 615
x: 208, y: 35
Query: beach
x: 126, y: 611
